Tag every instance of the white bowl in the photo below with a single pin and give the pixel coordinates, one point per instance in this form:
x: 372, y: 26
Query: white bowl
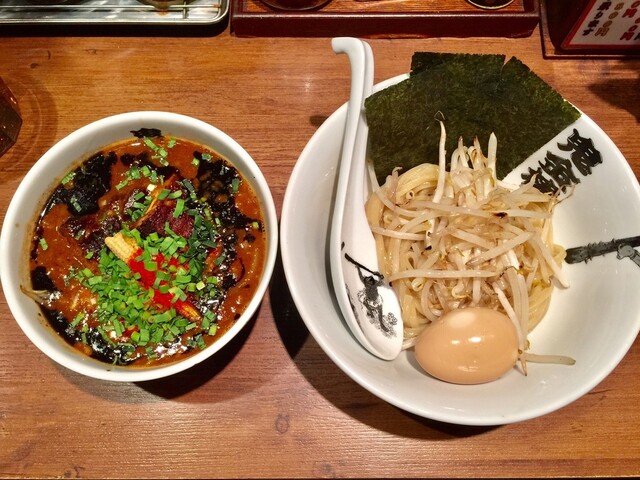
x: 595, y: 321
x: 38, y: 184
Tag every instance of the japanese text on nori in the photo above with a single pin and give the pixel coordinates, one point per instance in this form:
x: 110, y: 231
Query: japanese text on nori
x: 475, y: 95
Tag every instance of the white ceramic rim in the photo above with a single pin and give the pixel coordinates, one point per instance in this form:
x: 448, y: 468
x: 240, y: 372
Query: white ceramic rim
x: 14, y: 220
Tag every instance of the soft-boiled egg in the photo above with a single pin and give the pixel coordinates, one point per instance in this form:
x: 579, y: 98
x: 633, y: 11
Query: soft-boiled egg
x: 468, y: 346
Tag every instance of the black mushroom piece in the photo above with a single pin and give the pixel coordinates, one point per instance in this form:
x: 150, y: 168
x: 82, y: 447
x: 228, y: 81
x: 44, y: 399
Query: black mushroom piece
x: 216, y: 180
x: 147, y: 132
x: 88, y: 183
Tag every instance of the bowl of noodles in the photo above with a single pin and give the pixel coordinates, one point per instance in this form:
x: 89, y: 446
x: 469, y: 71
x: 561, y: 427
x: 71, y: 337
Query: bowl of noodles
x: 563, y: 352
x: 138, y: 246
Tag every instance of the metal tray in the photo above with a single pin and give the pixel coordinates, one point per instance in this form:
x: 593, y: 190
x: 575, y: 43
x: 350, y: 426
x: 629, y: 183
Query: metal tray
x: 111, y: 12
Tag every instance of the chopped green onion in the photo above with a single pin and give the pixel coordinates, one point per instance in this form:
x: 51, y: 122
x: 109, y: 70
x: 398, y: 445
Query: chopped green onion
x: 67, y: 178
x: 163, y: 276
x: 164, y: 316
x: 149, y: 143
x: 78, y: 318
x: 178, y: 294
x: 151, y: 266
x: 76, y: 205
x: 117, y: 326
x: 179, y: 208
x: 134, y: 173
x: 144, y: 335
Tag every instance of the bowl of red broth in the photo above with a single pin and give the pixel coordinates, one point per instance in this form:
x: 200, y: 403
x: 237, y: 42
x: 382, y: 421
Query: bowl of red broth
x: 138, y: 246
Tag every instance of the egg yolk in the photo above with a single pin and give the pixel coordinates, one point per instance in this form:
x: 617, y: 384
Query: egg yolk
x: 468, y: 346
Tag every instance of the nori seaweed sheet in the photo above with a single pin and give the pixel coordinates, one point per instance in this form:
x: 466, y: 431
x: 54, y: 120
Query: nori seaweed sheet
x: 474, y: 95
x: 422, y: 61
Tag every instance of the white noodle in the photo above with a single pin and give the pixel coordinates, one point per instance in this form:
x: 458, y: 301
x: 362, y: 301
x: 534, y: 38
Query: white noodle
x: 441, y: 166
x: 463, y: 238
x: 537, y: 358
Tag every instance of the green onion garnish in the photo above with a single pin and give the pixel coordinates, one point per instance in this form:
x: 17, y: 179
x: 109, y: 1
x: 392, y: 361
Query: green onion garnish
x: 67, y: 178
x: 179, y: 208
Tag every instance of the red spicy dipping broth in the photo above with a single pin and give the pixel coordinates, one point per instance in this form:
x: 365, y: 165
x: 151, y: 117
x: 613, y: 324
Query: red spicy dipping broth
x: 148, y: 251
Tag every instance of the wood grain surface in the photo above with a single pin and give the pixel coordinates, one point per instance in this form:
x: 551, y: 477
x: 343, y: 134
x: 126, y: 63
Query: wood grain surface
x: 271, y: 403
x: 396, y: 6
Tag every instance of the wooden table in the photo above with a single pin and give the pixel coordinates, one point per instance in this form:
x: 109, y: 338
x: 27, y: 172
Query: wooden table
x: 272, y: 404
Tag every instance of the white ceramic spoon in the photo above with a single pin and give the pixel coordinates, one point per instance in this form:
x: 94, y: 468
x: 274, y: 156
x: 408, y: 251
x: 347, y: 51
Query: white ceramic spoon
x: 368, y: 303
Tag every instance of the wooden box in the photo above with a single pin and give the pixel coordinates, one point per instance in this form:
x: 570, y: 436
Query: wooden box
x: 386, y: 19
